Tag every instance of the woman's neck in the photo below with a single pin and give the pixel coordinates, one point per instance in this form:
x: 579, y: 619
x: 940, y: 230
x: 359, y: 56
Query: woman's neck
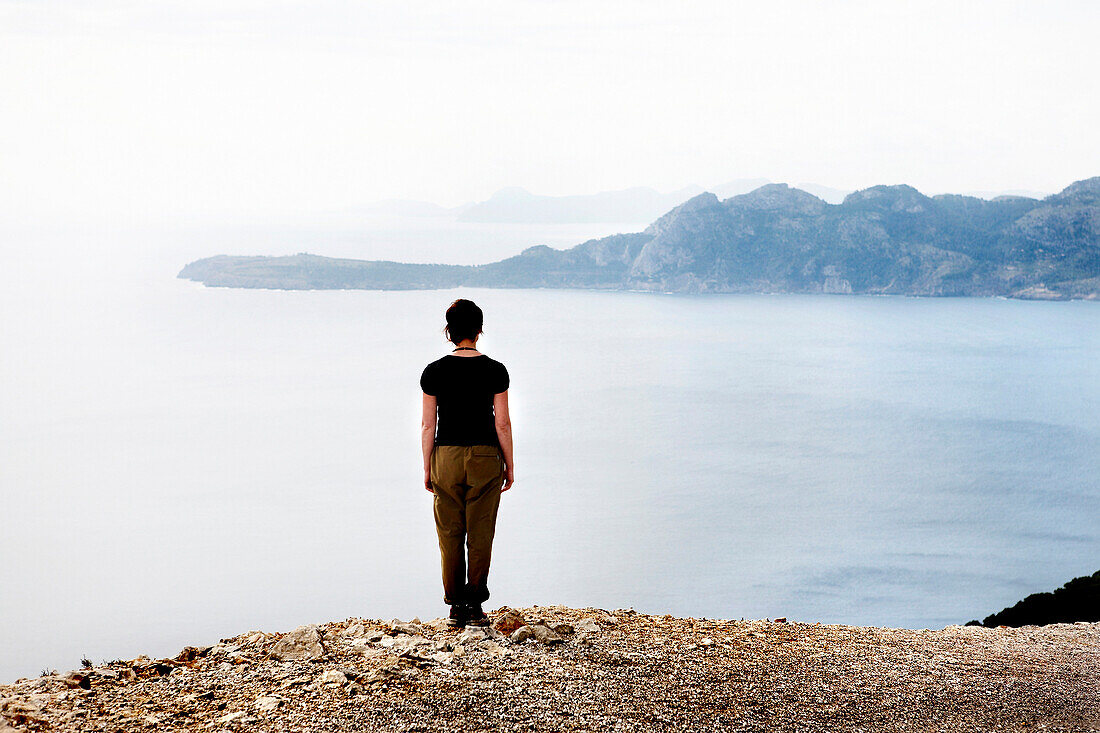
x: 466, y: 347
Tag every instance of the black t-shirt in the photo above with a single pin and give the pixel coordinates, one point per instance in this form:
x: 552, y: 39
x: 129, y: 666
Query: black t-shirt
x: 464, y: 387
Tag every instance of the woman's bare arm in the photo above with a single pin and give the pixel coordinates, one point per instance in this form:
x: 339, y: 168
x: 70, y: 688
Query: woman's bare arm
x: 427, y: 437
x: 504, y: 434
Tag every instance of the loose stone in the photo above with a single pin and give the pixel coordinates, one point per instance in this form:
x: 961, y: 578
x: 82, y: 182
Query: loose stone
x: 508, y: 621
x: 545, y: 634
x: 332, y: 677
x: 300, y: 644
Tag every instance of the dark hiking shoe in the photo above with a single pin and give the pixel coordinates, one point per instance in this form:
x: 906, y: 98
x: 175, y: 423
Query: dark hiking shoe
x: 457, y: 619
x: 475, y: 616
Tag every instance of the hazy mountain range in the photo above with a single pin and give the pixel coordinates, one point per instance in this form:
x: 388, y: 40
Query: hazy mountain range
x: 880, y: 240
x: 518, y: 206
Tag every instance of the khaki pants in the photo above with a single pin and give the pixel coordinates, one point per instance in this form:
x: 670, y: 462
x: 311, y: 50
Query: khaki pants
x: 467, y: 481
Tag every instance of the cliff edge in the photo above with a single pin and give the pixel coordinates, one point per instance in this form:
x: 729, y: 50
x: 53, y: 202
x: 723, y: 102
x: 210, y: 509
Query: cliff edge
x: 552, y: 668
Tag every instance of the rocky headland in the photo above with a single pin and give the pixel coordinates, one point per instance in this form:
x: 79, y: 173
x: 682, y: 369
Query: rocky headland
x: 1076, y: 600
x: 775, y: 239
x: 552, y: 668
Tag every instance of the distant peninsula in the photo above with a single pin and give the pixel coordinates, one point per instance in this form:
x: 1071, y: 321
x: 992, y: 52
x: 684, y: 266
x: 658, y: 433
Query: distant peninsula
x: 1077, y: 600
x: 774, y: 239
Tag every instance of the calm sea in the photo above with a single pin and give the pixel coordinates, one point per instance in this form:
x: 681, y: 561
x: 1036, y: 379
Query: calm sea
x: 180, y: 464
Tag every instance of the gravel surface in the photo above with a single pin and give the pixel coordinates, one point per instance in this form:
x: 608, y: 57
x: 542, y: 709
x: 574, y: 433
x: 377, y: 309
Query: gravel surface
x: 552, y: 668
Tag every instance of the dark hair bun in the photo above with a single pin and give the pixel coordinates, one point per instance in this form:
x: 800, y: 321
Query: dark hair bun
x: 464, y: 321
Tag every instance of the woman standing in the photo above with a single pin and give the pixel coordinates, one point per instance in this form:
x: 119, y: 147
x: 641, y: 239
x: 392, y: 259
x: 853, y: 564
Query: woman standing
x: 466, y: 436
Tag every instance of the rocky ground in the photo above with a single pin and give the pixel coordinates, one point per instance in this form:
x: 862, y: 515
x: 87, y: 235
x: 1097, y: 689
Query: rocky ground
x: 555, y: 668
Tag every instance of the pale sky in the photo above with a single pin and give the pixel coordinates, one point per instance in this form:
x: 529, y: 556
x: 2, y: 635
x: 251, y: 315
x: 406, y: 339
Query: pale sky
x: 212, y: 108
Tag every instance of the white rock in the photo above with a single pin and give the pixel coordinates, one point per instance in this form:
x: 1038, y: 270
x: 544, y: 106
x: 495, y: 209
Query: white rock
x: 545, y: 634
x: 494, y: 649
x: 520, y: 635
x: 399, y: 627
x: 405, y: 644
x: 268, y: 703
x: 300, y: 644
x: 332, y: 677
